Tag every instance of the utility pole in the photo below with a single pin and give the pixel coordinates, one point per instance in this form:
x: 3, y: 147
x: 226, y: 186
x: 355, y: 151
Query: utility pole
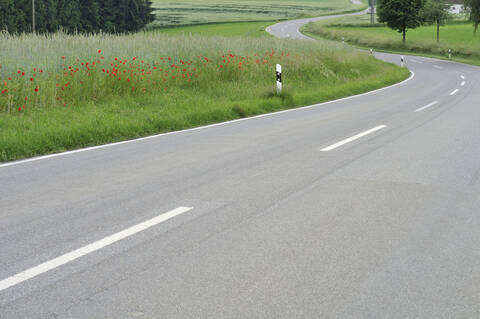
x: 372, y: 11
x: 33, y: 16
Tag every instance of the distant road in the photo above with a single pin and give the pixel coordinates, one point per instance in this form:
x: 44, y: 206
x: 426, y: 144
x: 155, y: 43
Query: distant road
x: 366, y: 207
x: 291, y: 29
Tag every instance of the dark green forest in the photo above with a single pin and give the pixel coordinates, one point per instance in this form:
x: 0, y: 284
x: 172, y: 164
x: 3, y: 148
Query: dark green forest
x: 72, y: 16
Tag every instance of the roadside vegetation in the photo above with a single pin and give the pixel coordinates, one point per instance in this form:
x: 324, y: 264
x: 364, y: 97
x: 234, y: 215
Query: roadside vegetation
x: 62, y: 92
x: 190, y: 12
x: 456, y: 35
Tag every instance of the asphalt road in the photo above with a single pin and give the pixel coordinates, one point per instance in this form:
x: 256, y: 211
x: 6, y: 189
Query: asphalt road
x: 362, y: 208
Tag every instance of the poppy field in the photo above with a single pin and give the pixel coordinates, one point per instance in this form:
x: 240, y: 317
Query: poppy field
x: 62, y: 92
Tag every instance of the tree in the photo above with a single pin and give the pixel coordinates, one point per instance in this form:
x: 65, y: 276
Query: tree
x: 69, y: 16
x: 400, y: 15
x: 473, y: 9
x: 46, y: 17
x: 90, y: 15
x: 146, y: 12
x: 83, y: 16
x: 436, y: 11
x: 8, y: 16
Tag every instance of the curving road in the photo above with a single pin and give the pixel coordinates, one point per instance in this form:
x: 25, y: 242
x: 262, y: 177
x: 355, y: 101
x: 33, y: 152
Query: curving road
x: 291, y: 29
x: 366, y: 207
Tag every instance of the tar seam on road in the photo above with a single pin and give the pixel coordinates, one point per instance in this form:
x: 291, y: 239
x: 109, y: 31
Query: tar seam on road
x: 353, y: 138
x: 85, y: 250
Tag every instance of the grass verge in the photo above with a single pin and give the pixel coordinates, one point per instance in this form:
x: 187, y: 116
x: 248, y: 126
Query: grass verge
x: 62, y: 93
x: 456, y: 36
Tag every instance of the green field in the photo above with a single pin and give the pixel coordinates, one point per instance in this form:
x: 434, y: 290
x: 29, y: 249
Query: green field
x: 52, y: 100
x: 242, y: 29
x: 188, y: 12
x: 457, y: 36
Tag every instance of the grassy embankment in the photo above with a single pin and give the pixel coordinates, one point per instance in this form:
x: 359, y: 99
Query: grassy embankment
x: 356, y: 30
x: 192, y: 12
x: 52, y: 100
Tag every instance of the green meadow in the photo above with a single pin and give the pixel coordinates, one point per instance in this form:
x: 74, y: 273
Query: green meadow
x: 236, y: 29
x: 188, y: 12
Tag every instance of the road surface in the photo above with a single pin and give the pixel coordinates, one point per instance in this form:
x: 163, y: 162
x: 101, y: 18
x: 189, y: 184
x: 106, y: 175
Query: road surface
x: 366, y: 207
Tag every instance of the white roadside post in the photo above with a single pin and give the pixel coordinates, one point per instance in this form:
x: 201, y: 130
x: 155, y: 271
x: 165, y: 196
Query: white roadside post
x: 279, y: 79
x: 371, y: 51
x: 402, y: 59
x: 449, y: 53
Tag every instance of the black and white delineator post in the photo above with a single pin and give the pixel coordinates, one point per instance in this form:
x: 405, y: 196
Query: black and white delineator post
x: 449, y: 53
x: 402, y: 59
x: 279, y: 79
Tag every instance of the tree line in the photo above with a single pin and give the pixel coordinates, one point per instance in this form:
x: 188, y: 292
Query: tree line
x: 401, y: 15
x: 71, y: 16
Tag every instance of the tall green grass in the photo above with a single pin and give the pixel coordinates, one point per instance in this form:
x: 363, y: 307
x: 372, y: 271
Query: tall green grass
x: 176, y: 82
x: 457, y: 36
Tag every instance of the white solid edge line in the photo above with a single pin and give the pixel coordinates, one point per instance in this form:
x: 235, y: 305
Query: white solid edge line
x: 426, y: 106
x: 353, y: 138
x: 412, y: 75
x: 71, y: 256
x: 454, y: 92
